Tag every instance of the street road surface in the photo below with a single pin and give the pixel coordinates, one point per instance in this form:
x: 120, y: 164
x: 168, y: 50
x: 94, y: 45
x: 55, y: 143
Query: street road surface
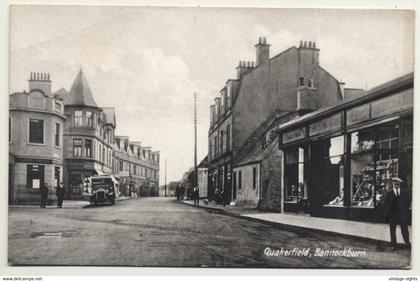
x: 163, y: 232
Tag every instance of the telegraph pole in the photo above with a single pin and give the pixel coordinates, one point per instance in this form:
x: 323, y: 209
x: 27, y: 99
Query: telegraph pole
x: 195, y: 140
x: 165, y: 176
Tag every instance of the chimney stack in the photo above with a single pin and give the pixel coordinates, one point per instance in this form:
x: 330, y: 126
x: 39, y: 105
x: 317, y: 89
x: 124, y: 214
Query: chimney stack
x: 243, y: 67
x: 40, y: 81
x: 309, y: 52
x: 263, y: 51
x: 341, y: 85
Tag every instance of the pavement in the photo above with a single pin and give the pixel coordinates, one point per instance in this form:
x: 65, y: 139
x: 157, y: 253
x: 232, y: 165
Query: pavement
x: 164, y: 232
x: 67, y: 204
x: 366, y: 230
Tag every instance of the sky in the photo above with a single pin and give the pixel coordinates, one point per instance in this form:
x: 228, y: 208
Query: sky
x: 147, y: 62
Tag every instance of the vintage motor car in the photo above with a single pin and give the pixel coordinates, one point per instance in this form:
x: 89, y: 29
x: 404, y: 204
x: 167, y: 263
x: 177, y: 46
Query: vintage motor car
x: 103, y: 189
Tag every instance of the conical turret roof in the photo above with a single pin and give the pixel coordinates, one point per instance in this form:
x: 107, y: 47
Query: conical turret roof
x: 80, y: 93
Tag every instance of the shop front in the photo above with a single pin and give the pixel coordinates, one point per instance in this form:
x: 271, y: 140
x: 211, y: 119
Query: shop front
x: 339, y: 161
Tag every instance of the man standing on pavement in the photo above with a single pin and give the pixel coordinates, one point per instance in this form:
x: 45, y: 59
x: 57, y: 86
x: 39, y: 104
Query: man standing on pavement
x: 44, y: 194
x: 60, y: 195
x: 397, y: 203
x: 195, y: 195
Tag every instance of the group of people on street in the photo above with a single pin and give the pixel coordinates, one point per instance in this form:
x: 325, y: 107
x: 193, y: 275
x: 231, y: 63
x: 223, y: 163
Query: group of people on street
x: 133, y: 190
x: 191, y: 193
x: 59, y: 192
x: 180, y: 192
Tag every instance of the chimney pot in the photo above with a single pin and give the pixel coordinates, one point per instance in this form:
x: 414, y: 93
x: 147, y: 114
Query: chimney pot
x: 259, y: 40
x: 310, y: 44
x: 314, y: 45
x: 301, y: 44
x: 264, y: 40
x: 305, y: 44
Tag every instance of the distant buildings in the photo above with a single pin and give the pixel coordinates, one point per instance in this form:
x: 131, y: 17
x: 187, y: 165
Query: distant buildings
x: 66, y: 136
x: 137, y: 168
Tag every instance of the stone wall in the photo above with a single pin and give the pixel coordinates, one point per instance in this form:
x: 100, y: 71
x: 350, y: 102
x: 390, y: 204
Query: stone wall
x: 271, y: 181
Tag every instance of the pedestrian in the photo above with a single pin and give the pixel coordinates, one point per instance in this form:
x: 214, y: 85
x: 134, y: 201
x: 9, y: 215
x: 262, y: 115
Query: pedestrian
x: 397, y: 204
x: 182, y: 192
x: 177, y: 192
x: 44, y: 194
x: 195, y: 195
x: 216, y: 195
x: 60, y: 195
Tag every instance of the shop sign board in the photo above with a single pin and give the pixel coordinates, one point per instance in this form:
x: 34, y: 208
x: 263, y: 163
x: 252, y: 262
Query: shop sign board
x: 332, y: 123
x: 296, y: 134
x: 393, y: 104
x: 358, y: 114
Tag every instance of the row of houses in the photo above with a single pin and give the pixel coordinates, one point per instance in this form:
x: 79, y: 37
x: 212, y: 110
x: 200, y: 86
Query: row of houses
x: 287, y: 136
x: 64, y: 136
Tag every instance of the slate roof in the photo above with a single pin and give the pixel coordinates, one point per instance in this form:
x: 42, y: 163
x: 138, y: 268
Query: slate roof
x: 61, y: 93
x: 203, y: 163
x: 80, y: 93
x: 253, y: 151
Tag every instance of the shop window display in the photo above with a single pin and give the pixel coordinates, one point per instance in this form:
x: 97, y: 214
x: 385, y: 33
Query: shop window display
x: 295, y: 189
x: 374, y: 161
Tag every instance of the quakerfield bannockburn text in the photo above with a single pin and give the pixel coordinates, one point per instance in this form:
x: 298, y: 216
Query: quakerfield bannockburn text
x: 307, y: 252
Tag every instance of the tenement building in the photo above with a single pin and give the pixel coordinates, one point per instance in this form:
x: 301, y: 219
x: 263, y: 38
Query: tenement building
x: 36, y: 120
x: 88, y: 136
x: 136, y: 167
x: 265, y: 93
x: 65, y: 136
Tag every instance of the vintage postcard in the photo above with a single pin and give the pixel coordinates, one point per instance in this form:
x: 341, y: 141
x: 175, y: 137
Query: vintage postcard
x: 210, y: 137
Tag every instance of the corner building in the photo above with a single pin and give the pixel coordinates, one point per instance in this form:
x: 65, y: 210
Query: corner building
x: 36, y: 121
x: 88, y: 136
